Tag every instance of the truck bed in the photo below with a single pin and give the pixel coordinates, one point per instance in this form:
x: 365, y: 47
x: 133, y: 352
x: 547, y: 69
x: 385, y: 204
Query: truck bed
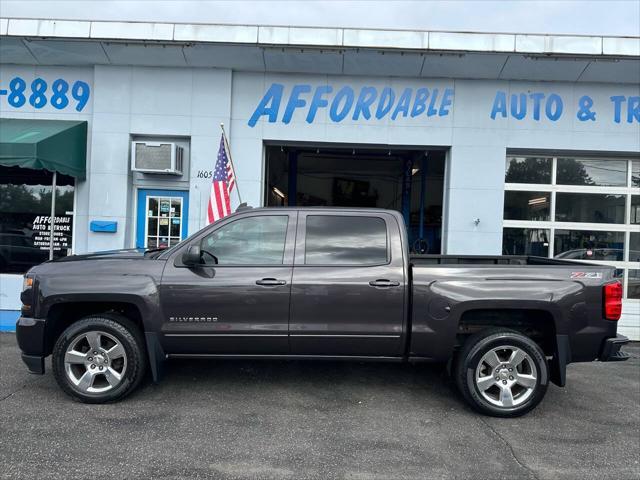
x: 458, y: 294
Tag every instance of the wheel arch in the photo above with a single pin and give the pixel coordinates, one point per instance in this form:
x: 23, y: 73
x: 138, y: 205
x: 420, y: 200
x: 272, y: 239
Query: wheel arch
x: 61, y: 315
x: 539, y: 324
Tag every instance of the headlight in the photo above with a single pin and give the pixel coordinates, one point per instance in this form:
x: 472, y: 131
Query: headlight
x: 27, y: 283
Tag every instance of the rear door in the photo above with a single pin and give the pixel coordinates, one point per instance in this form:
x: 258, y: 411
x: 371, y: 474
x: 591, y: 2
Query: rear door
x: 348, y: 291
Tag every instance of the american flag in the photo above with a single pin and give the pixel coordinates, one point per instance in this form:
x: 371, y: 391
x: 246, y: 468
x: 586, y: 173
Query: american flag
x: 221, y: 186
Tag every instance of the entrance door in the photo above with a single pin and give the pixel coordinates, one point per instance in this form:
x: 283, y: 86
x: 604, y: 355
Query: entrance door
x: 162, y: 218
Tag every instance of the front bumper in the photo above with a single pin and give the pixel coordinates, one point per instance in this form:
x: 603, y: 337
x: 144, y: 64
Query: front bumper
x: 30, y: 336
x: 611, y: 349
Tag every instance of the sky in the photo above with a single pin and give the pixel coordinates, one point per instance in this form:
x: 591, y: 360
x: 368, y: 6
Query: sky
x: 584, y: 17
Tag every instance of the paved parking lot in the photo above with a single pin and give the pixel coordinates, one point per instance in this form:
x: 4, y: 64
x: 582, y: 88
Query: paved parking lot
x: 298, y: 420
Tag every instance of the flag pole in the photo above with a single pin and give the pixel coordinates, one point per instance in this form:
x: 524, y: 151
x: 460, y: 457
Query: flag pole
x: 233, y: 168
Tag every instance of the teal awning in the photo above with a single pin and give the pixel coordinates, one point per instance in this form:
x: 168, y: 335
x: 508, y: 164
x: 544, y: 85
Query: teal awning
x: 54, y: 145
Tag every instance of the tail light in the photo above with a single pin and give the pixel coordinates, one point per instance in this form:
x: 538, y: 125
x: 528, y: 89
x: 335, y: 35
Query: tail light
x: 613, y: 301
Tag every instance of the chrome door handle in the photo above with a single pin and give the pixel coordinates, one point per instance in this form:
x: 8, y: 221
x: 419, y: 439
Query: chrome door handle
x: 383, y: 283
x: 270, y: 282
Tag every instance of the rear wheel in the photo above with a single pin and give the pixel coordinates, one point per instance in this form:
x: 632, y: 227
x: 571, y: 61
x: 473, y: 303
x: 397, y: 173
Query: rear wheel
x: 99, y: 358
x: 502, y: 373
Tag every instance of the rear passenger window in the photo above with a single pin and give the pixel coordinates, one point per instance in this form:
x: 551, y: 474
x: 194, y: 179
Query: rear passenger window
x: 344, y: 240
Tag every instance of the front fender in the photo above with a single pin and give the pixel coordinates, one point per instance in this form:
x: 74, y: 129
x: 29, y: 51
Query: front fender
x: 139, y: 290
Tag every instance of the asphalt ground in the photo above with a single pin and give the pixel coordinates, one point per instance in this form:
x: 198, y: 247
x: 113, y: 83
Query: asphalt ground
x: 324, y: 420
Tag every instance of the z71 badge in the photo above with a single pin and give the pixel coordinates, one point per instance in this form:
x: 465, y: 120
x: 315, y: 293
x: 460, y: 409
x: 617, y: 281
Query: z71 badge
x: 593, y: 275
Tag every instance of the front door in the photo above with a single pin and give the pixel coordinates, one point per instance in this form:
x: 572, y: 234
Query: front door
x: 237, y: 301
x: 162, y: 218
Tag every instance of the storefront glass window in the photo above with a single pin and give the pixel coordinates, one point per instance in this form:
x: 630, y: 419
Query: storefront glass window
x: 528, y: 170
x: 589, y: 208
x: 525, y: 241
x: 594, y: 172
x: 634, y: 247
x: 25, y: 216
x: 585, y: 245
x: 635, y: 209
x: 633, y: 283
x: 603, y: 221
x: 527, y: 205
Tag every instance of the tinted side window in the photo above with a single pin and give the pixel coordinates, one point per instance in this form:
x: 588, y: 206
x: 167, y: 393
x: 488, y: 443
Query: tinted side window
x: 343, y: 240
x: 248, y: 241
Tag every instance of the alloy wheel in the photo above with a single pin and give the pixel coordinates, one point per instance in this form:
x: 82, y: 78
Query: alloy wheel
x: 95, y: 362
x: 506, y: 376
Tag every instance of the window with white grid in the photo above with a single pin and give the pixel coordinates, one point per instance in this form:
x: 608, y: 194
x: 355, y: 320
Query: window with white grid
x: 576, y: 208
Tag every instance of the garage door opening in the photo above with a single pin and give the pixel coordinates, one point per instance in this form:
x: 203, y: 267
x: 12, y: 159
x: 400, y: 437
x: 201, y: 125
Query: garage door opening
x: 410, y: 181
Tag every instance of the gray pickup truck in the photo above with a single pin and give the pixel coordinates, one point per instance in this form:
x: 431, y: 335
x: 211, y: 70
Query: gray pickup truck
x: 318, y: 283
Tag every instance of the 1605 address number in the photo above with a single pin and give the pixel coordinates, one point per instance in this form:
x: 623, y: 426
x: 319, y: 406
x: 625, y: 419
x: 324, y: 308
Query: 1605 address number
x: 204, y: 174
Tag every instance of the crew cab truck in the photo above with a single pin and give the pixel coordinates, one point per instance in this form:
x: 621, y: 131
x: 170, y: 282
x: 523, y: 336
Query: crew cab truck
x: 318, y: 283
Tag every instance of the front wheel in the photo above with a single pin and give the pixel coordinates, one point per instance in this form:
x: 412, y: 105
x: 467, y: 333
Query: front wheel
x: 502, y: 373
x: 99, y: 358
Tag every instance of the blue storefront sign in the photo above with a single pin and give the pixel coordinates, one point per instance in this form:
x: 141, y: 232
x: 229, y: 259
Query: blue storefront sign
x: 366, y: 103
x: 347, y: 102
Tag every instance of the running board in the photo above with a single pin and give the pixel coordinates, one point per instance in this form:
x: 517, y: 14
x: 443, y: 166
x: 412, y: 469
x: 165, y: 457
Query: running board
x: 359, y: 358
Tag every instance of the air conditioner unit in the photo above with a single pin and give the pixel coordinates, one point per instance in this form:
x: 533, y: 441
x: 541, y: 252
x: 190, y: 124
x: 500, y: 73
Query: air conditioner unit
x: 156, y: 157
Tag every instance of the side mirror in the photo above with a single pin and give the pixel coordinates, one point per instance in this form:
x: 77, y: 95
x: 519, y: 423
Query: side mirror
x: 193, y: 256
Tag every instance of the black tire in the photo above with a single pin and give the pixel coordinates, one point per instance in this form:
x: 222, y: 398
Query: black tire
x: 133, y: 364
x: 486, y: 343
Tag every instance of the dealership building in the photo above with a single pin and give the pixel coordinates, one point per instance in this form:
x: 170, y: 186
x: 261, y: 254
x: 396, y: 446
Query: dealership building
x: 488, y: 143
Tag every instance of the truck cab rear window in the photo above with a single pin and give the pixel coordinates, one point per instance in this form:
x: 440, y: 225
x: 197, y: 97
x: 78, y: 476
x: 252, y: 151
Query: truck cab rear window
x: 345, y: 240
